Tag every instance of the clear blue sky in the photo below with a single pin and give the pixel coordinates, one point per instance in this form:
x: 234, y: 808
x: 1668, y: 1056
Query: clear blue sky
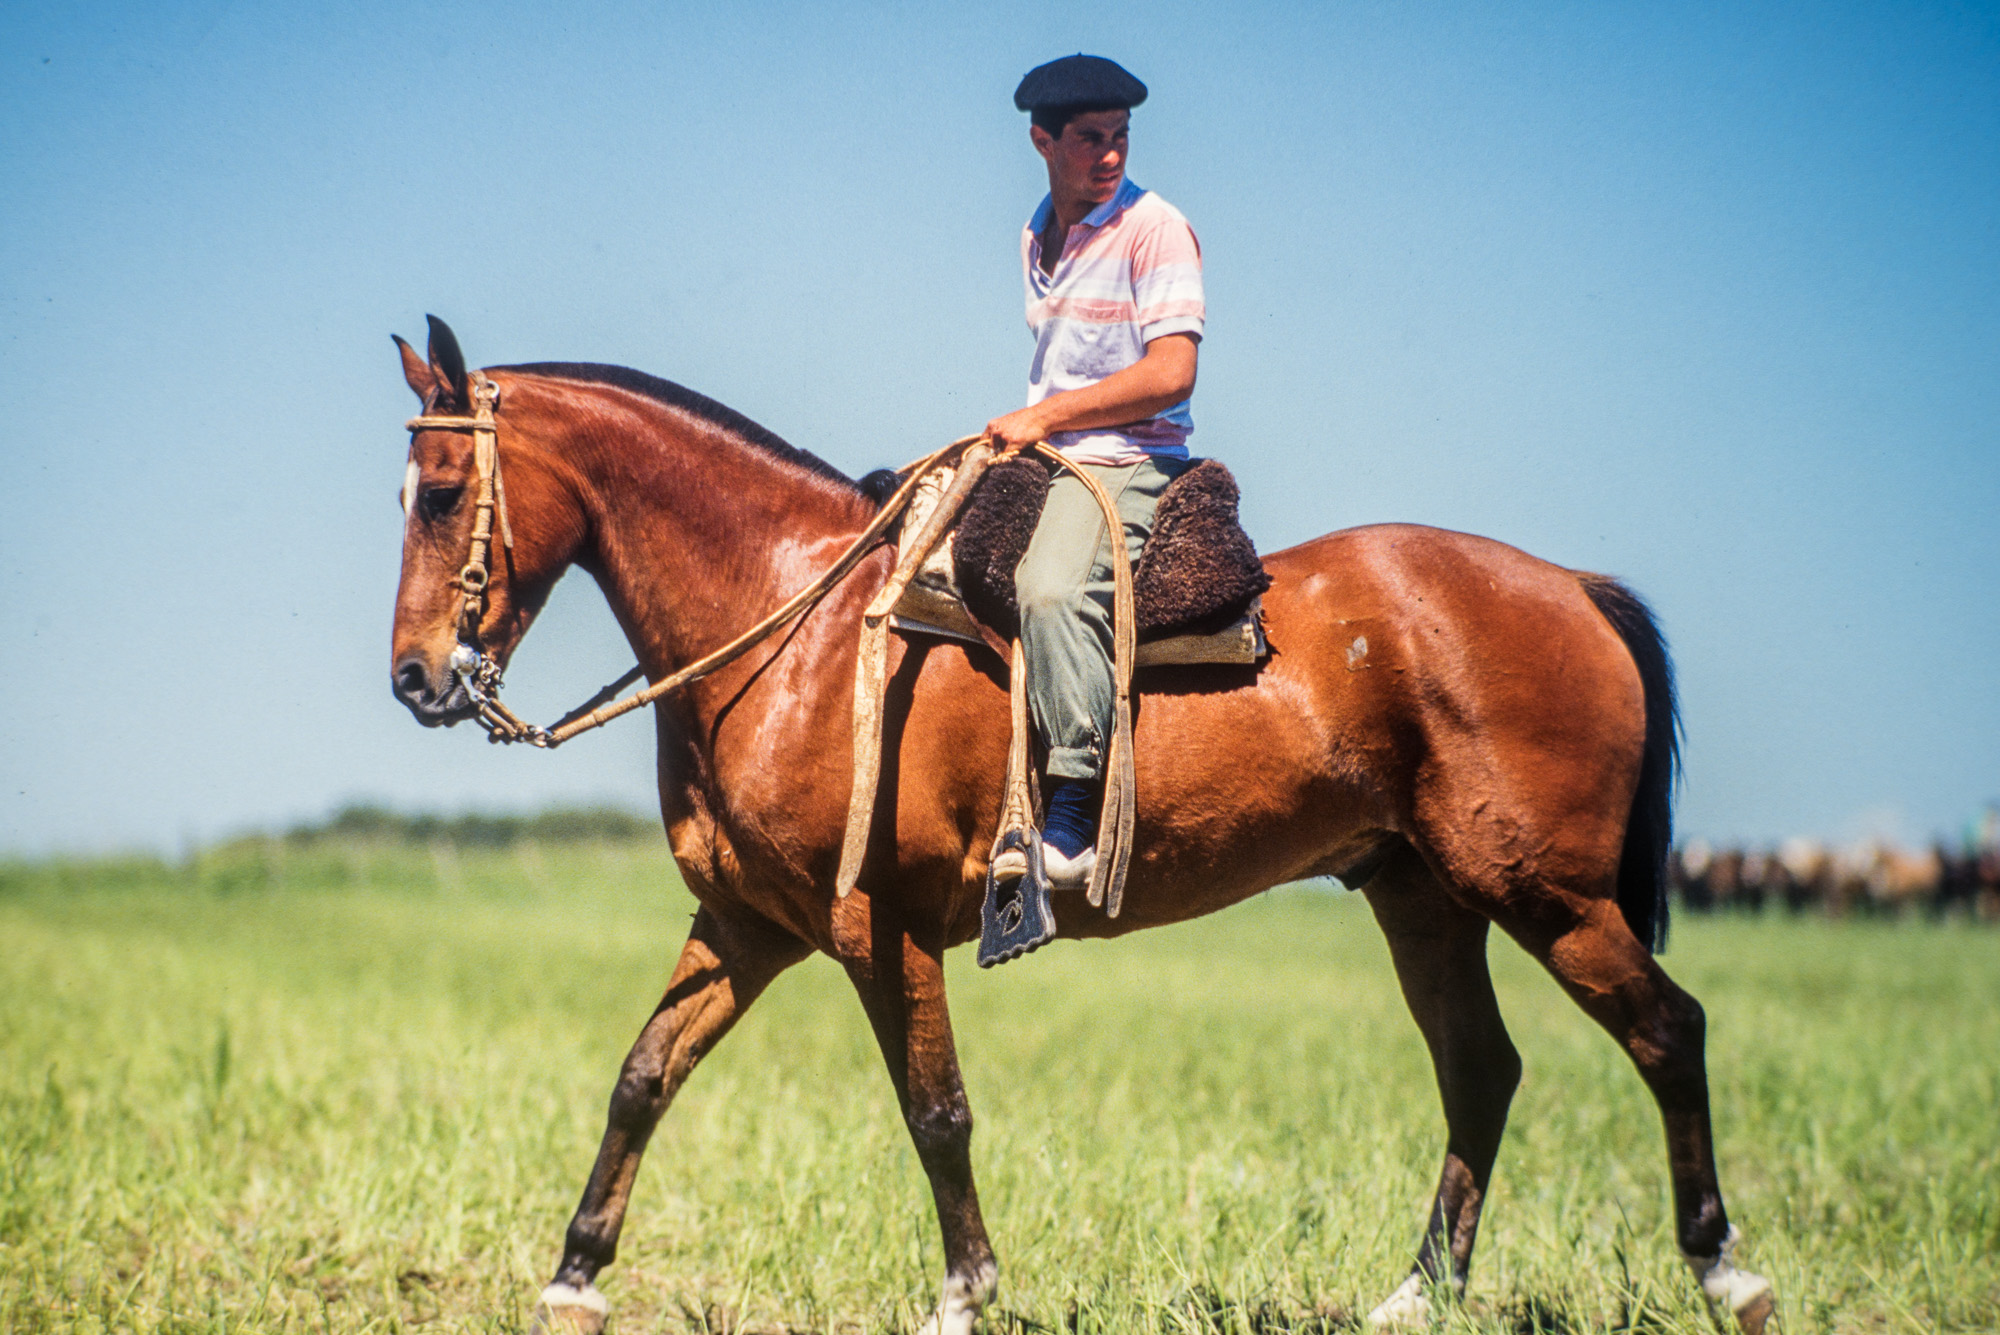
x: 1707, y: 297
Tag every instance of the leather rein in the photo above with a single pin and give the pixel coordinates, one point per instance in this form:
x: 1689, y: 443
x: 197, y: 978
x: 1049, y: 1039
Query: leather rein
x: 480, y: 673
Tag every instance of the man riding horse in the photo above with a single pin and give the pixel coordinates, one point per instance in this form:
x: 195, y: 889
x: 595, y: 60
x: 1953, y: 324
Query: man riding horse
x: 1113, y: 277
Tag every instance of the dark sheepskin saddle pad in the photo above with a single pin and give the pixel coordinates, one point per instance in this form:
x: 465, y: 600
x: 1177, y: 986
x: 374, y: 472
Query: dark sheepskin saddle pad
x: 1197, y: 573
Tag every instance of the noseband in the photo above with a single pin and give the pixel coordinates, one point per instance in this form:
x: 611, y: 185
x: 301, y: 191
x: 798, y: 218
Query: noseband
x: 480, y: 673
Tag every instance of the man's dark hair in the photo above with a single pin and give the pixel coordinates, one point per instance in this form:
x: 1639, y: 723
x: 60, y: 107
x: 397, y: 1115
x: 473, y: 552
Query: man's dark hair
x: 1054, y: 119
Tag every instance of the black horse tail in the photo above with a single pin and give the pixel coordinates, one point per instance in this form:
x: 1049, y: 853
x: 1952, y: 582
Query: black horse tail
x: 1649, y: 831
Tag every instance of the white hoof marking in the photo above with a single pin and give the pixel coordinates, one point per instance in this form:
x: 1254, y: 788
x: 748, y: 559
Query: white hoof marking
x: 564, y: 1309
x: 964, y: 1296
x: 1409, y: 1305
x: 1745, y: 1296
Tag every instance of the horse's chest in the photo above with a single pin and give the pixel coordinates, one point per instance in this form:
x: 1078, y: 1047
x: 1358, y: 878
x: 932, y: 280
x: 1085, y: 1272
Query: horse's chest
x: 728, y: 874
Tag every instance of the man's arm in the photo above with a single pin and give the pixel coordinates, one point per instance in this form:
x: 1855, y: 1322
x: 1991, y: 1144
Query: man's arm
x: 1159, y: 380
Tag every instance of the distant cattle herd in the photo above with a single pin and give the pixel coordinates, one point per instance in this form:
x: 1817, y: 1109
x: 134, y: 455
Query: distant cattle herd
x: 1958, y: 879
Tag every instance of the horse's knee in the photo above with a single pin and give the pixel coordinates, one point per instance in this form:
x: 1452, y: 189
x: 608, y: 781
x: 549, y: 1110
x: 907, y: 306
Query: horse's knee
x: 941, y: 1131
x: 636, y: 1099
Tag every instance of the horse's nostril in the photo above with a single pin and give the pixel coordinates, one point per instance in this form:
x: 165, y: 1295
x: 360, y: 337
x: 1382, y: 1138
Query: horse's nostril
x: 411, y: 680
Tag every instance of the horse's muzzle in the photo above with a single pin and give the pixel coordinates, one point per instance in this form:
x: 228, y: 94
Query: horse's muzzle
x: 435, y: 698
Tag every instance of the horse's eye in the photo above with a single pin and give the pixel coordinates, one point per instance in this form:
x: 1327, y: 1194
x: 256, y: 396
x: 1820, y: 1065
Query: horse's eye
x: 434, y: 503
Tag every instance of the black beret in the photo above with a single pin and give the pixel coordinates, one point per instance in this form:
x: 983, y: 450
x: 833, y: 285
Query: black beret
x: 1078, y: 81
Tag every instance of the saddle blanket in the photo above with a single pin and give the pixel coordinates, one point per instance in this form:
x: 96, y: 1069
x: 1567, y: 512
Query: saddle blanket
x: 1197, y: 586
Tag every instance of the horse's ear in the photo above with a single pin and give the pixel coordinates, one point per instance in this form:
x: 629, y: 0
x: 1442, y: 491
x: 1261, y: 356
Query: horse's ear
x: 416, y: 370
x: 447, y: 365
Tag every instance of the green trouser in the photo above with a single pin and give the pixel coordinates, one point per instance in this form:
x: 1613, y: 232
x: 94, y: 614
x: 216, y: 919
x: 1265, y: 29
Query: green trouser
x: 1065, y: 590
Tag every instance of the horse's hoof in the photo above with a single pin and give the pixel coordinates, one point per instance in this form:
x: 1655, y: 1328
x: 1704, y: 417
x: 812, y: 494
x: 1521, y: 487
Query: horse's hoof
x: 1407, y: 1308
x: 963, y: 1298
x: 564, y: 1309
x: 1745, y: 1296
x: 1757, y: 1310
x: 1742, y: 1295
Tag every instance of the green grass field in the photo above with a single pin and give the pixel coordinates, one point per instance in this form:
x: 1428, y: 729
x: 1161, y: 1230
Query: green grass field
x: 357, y: 1088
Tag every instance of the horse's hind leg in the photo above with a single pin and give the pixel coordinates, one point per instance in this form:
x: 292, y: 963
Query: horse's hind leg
x: 901, y: 984
x: 1585, y: 943
x: 722, y: 969
x: 1439, y: 949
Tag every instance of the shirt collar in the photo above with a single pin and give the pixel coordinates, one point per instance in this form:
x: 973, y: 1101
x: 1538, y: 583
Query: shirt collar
x: 1040, y: 222
x: 1128, y: 195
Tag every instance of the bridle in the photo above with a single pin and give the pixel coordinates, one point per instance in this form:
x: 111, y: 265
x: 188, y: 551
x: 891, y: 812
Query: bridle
x: 479, y: 673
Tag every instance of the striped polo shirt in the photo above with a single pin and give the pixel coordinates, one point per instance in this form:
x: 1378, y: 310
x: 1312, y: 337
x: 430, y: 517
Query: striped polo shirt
x: 1129, y: 273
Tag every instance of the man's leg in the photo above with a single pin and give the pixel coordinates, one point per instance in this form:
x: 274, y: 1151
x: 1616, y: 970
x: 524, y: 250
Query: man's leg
x: 1064, y: 586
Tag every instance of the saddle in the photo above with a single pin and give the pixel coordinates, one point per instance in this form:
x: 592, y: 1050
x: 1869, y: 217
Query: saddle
x: 955, y: 579
x: 1196, y: 590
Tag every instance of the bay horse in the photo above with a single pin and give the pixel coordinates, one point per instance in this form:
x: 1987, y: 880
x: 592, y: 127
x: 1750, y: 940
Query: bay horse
x: 1466, y: 733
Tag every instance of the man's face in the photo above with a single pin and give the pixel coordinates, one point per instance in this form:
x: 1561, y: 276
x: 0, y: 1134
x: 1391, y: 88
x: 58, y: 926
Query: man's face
x: 1088, y: 162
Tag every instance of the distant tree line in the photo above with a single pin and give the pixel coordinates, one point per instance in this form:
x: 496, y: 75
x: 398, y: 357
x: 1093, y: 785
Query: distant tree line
x: 366, y: 822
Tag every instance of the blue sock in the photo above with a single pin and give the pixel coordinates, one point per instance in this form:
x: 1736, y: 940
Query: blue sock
x: 1071, y: 826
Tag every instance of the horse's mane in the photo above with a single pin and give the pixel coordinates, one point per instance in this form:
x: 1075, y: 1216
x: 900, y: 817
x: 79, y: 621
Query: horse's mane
x: 699, y: 405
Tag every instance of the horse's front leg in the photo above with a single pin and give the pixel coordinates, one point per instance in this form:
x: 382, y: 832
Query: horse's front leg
x: 722, y: 969
x: 901, y: 982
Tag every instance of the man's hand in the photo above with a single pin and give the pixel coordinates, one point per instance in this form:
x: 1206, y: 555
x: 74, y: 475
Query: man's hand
x: 1159, y: 380
x: 1021, y: 427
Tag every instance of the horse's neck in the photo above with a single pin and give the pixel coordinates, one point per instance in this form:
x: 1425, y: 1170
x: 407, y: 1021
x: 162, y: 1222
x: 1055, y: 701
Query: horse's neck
x: 698, y: 535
